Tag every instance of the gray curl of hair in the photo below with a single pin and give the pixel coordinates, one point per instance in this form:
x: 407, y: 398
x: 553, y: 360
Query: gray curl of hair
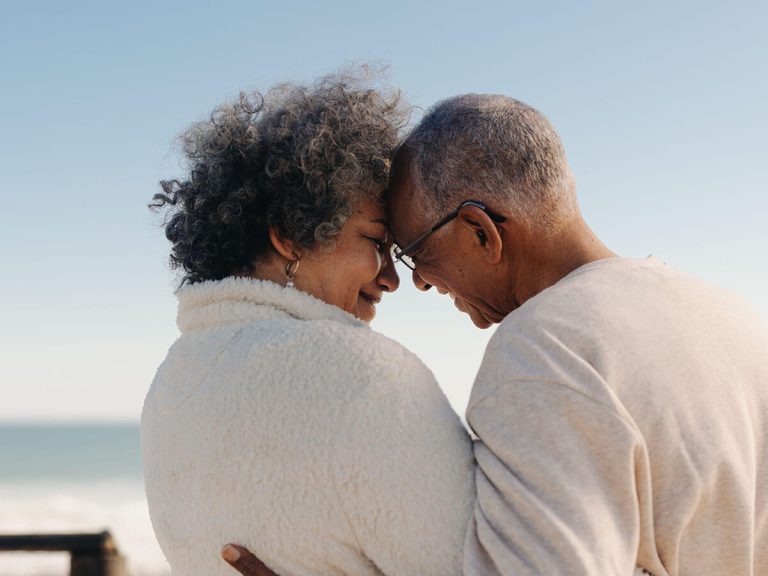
x: 297, y: 157
x: 492, y: 148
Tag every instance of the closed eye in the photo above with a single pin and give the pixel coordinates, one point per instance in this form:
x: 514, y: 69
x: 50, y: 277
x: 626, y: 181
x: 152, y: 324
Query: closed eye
x: 381, y: 245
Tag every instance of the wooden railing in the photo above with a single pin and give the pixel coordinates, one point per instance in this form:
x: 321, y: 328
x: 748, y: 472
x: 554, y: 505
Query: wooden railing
x: 90, y: 554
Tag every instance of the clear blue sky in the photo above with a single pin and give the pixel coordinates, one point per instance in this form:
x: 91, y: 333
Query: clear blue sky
x: 661, y: 105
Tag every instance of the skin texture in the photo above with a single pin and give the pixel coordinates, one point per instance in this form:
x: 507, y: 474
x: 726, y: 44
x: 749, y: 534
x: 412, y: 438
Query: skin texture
x: 488, y: 268
x: 448, y: 259
x: 353, y: 274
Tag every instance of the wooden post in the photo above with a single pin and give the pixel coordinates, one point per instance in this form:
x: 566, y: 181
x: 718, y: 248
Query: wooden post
x: 90, y: 554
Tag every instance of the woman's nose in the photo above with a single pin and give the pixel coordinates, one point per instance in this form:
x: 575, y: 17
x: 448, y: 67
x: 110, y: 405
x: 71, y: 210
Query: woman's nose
x: 419, y: 282
x: 388, y: 279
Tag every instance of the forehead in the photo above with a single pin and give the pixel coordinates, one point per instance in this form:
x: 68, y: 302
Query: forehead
x: 369, y: 210
x: 403, y: 205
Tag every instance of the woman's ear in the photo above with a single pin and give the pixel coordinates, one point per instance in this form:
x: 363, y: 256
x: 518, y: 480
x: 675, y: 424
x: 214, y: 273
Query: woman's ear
x: 485, y: 233
x: 282, y: 245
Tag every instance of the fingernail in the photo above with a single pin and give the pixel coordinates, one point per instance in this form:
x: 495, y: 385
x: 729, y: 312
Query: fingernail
x: 230, y: 553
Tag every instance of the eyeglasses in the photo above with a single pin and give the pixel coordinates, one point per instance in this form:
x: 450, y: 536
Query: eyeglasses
x: 402, y: 255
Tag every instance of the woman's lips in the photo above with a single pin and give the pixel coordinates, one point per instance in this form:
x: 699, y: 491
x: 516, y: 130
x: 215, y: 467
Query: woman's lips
x: 371, y: 299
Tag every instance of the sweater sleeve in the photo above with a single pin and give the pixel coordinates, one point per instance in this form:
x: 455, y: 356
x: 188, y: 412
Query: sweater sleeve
x: 556, y: 483
x: 404, y: 470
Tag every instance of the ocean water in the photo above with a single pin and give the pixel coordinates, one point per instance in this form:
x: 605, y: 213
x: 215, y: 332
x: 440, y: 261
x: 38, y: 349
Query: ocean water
x: 75, y: 478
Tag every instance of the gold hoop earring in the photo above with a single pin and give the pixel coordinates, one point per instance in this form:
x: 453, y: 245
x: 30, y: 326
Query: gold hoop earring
x: 290, y: 272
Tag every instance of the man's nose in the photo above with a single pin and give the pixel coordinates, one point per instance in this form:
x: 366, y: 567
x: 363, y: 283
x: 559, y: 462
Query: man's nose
x: 419, y: 282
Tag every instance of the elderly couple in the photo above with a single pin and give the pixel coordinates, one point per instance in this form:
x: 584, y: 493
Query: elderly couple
x: 621, y: 409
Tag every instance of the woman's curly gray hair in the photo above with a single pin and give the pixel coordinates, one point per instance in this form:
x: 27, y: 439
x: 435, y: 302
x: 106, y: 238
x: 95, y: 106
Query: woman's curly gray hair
x: 297, y: 157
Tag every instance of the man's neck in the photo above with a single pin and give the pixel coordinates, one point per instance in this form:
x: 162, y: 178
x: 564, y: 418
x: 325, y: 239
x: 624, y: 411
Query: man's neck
x: 547, y: 259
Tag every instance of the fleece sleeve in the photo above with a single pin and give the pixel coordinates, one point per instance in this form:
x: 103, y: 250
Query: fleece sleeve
x: 556, y: 483
x: 404, y: 471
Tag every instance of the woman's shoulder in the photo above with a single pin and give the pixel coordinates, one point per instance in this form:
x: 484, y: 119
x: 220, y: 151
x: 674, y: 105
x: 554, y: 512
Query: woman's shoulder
x: 346, y: 348
x: 345, y: 365
x: 375, y: 359
x: 388, y: 387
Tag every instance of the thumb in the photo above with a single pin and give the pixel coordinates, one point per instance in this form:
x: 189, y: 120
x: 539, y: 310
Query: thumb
x: 243, y: 561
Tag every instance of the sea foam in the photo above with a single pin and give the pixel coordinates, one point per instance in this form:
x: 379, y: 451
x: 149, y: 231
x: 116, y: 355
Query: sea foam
x: 46, y: 507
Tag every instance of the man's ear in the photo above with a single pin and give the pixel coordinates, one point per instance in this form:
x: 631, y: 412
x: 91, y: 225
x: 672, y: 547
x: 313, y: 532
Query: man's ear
x: 486, y: 234
x: 282, y: 245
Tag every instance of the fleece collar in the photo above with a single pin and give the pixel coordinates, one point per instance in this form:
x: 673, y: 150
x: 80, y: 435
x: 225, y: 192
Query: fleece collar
x: 231, y: 300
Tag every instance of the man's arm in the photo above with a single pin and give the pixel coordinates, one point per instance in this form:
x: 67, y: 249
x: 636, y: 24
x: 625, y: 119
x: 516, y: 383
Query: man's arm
x: 556, y: 484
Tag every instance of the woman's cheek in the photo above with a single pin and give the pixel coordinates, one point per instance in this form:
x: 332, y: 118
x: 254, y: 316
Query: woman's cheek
x: 370, y: 266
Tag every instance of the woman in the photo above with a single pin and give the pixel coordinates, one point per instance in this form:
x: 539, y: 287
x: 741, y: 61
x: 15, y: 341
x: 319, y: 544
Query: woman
x: 279, y: 419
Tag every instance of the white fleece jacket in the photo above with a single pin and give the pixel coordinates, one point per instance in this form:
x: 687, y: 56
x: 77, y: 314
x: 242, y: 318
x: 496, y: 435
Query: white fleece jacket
x: 283, y: 423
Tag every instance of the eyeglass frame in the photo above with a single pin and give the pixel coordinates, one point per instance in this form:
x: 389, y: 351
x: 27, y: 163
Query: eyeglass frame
x: 398, y: 254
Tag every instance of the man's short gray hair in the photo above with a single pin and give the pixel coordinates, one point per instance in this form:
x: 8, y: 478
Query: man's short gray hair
x: 491, y: 148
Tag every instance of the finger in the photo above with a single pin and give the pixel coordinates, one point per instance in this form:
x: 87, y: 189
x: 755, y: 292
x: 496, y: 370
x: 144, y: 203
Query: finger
x: 243, y: 561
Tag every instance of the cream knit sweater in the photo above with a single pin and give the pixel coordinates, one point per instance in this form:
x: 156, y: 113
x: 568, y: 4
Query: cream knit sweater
x: 283, y: 423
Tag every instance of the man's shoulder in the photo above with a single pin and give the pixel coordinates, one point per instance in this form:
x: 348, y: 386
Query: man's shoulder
x: 602, y: 313
x: 617, y: 291
x: 617, y: 321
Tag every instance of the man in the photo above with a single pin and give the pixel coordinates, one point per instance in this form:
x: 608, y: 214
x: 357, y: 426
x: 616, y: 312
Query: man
x: 622, y: 406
